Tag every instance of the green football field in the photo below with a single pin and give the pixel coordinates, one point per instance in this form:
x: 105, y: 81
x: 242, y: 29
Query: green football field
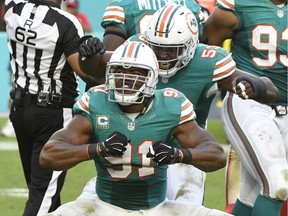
x: 13, y: 191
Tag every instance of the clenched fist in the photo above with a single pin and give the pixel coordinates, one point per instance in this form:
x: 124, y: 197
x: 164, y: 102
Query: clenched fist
x: 114, y: 145
x: 163, y: 153
x: 89, y: 46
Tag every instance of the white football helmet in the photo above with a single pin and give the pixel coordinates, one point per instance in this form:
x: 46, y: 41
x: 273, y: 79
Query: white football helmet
x: 173, y: 26
x: 131, y: 54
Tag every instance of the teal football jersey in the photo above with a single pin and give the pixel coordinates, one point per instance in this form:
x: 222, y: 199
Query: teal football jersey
x: 260, y: 44
x: 133, y: 181
x: 198, y: 79
x: 133, y: 15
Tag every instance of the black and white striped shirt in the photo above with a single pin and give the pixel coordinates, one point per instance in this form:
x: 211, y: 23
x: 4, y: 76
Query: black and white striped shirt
x: 40, y: 38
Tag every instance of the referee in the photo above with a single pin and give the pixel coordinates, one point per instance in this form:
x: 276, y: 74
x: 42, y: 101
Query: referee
x: 43, y: 44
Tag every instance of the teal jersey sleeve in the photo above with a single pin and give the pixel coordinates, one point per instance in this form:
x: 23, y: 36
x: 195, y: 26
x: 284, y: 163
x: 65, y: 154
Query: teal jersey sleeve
x: 83, y: 105
x: 260, y: 44
x: 133, y: 181
x: 133, y: 16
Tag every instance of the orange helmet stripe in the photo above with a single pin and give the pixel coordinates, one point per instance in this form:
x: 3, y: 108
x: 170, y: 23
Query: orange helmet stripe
x: 164, y: 20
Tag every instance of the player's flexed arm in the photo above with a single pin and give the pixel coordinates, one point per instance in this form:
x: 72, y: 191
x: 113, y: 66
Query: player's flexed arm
x: 218, y: 28
x: 208, y: 155
x: 65, y: 148
x: 199, y: 147
x: 65, y: 145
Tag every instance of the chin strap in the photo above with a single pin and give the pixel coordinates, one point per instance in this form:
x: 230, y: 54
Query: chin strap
x: 145, y: 109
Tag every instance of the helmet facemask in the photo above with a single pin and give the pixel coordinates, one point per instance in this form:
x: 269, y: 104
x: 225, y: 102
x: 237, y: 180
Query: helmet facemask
x: 128, y: 88
x: 131, y: 80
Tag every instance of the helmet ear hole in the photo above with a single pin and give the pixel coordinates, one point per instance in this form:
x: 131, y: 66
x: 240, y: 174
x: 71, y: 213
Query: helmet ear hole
x: 179, y: 28
x: 133, y: 87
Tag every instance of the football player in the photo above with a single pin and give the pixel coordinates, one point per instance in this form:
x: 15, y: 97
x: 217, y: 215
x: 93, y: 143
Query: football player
x: 126, y: 127
x: 121, y: 20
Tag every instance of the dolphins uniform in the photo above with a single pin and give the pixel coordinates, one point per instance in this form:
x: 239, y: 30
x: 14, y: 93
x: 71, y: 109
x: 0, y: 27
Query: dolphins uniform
x: 259, y: 132
x: 197, y: 80
x: 133, y: 184
x: 133, y: 181
x: 133, y: 15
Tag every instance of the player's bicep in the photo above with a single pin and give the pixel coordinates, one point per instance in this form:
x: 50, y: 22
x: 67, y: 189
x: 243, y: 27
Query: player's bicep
x: 188, y: 134
x: 219, y: 26
x: 114, y: 36
x: 75, y: 65
x: 78, y: 131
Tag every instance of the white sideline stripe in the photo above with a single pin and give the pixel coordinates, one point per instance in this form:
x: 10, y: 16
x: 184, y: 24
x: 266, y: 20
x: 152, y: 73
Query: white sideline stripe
x: 14, y: 192
x: 8, y: 146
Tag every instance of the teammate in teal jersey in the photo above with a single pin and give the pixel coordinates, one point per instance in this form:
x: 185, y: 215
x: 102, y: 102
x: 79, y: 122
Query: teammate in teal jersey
x: 196, y: 69
x: 128, y: 125
x: 125, y: 18
x: 259, y: 34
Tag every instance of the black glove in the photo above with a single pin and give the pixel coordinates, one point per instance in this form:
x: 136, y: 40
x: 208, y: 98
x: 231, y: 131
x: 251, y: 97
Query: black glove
x: 89, y: 46
x: 114, y: 145
x: 163, y: 153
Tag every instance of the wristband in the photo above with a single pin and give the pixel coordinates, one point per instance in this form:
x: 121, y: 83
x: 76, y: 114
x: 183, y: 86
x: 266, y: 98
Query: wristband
x: 93, y: 151
x: 258, y: 86
x: 185, y: 156
x: 87, y: 151
x: 261, y: 89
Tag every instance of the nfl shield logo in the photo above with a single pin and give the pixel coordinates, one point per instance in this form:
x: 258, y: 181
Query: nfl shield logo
x: 280, y: 13
x: 131, y: 126
x: 165, y: 80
